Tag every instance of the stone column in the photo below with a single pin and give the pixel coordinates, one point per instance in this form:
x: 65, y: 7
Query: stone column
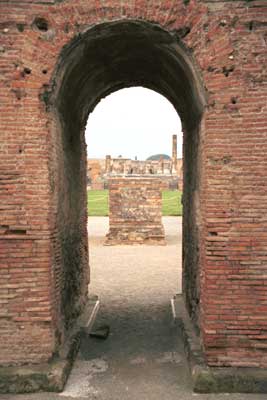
x: 108, y: 164
x: 161, y: 164
x: 174, y: 153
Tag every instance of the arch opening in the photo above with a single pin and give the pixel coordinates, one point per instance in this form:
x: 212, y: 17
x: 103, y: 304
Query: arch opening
x: 104, y: 59
x: 133, y: 123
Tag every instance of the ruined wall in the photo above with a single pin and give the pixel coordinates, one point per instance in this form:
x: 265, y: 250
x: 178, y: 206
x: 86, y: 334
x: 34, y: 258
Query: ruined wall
x: 210, y: 62
x: 95, y: 174
x: 135, y: 215
x: 98, y: 175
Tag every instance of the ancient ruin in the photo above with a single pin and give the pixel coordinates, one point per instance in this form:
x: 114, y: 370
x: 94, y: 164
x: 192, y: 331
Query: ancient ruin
x: 135, y: 215
x: 170, y: 169
x: 57, y: 60
x: 135, y: 197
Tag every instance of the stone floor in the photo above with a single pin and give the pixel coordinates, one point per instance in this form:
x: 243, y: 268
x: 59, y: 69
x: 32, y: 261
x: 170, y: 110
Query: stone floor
x: 142, y: 359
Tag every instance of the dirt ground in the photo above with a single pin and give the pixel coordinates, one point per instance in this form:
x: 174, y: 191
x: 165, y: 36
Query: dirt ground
x: 142, y: 358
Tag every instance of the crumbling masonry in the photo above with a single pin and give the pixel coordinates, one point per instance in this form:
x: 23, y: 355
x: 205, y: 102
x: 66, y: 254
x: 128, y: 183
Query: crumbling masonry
x: 170, y: 169
x: 135, y: 210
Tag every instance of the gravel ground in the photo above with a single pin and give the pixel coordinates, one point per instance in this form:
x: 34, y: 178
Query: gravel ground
x: 142, y: 358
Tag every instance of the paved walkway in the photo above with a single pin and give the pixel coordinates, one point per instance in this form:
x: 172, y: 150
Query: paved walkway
x: 120, y: 273
x: 142, y: 359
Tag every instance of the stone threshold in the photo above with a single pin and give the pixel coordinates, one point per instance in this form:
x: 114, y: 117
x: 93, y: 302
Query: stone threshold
x: 50, y: 376
x: 207, y: 379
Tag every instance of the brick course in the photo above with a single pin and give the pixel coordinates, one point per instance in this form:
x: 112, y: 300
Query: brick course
x: 219, y: 87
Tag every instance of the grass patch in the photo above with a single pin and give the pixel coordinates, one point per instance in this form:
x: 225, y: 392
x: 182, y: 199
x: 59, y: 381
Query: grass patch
x: 98, y: 203
x: 171, y: 203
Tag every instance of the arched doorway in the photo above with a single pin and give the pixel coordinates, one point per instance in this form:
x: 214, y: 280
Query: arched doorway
x: 102, y: 60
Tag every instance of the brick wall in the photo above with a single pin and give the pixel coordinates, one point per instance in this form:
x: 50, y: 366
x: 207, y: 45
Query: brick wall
x: 213, y: 69
x: 135, y: 215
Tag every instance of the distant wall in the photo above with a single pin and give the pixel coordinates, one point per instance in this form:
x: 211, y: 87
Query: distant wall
x: 98, y: 176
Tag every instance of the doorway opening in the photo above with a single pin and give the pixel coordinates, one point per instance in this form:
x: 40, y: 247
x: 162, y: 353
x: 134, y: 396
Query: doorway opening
x: 130, y: 137
x: 133, y: 156
x: 104, y: 59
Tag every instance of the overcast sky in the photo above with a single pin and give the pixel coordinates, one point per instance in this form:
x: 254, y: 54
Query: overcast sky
x: 133, y: 122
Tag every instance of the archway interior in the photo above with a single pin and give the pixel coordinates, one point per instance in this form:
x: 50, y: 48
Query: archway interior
x: 104, y: 59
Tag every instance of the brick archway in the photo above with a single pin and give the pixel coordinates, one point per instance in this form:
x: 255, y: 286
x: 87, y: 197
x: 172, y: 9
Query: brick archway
x: 199, y: 55
x: 103, y: 59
